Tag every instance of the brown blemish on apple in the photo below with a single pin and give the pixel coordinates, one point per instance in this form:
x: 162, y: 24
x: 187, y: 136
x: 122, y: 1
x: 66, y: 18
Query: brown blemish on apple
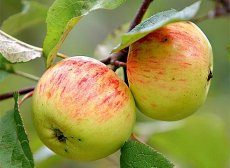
x: 210, y: 75
x: 165, y: 39
x: 48, y: 94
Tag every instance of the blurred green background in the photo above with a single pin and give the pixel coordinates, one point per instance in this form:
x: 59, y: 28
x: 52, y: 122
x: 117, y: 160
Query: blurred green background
x: 199, y: 141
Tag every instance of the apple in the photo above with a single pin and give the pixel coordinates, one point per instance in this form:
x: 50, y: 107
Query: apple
x: 169, y: 71
x: 82, y: 110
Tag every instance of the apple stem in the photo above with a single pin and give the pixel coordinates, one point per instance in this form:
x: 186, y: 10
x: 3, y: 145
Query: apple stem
x: 26, y: 96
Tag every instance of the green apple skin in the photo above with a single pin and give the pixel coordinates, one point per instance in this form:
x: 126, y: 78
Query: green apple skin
x: 82, y: 110
x: 169, y: 71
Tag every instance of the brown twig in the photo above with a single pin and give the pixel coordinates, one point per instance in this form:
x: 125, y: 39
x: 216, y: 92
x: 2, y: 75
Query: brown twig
x: 140, y: 14
x: 21, y: 92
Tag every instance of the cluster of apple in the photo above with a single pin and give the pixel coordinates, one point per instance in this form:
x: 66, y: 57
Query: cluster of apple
x: 82, y: 110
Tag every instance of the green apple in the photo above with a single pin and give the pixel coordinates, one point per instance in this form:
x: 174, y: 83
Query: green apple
x: 82, y: 110
x: 169, y: 71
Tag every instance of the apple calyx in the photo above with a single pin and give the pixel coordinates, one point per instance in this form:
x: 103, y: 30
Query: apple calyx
x: 59, y: 135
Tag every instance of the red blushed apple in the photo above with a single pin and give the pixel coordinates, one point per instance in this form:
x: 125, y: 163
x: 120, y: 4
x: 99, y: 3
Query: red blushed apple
x: 82, y: 110
x: 169, y: 71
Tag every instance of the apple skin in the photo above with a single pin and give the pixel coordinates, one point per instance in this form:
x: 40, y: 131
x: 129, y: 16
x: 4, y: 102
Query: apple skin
x: 82, y: 110
x: 169, y: 71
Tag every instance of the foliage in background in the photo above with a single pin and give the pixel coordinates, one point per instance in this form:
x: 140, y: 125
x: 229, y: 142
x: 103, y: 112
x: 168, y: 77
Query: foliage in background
x: 14, y: 145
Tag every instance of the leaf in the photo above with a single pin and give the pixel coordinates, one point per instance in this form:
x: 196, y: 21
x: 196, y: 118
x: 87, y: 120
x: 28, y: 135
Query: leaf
x: 14, y: 145
x: 155, y: 22
x: 14, y: 50
x: 137, y: 155
x: 5, y: 65
x: 5, y: 68
x: 32, y: 13
x: 200, y: 142
x: 62, y: 17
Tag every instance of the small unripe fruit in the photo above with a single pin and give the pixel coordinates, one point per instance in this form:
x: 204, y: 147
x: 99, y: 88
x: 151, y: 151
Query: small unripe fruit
x: 169, y: 71
x: 82, y: 110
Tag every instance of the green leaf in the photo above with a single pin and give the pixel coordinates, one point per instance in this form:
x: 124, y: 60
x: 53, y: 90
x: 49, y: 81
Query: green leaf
x: 5, y: 68
x: 5, y: 65
x: 32, y: 13
x: 14, y: 145
x: 155, y: 22
x: 62, y: 17
x: 137, y: 155
x: 15, y: 51
x: 200, y: 142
